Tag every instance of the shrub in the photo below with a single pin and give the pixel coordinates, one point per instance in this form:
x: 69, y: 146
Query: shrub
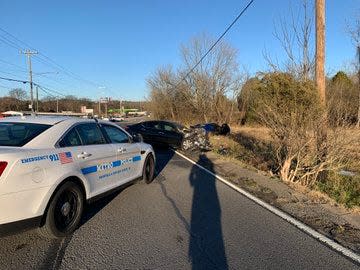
x: 305, y: 148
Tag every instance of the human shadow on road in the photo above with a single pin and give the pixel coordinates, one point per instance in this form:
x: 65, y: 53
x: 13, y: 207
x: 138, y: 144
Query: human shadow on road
x: 206, y: 246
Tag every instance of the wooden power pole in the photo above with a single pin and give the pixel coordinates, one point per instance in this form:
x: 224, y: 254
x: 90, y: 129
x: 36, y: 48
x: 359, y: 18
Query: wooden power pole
x: 29, y: 53
x: 320, y: 50
x: 358, y: 70
x: 37, y: 98
x: 320, y: 79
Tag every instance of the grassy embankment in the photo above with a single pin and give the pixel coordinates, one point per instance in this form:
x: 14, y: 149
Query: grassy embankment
x: 252, y: 146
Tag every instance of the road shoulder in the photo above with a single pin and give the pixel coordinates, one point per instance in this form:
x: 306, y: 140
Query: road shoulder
x: 333, y: 221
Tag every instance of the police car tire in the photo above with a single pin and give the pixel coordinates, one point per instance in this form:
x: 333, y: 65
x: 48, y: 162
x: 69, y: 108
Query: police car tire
x: 50, y: 228
x: 149, y: 164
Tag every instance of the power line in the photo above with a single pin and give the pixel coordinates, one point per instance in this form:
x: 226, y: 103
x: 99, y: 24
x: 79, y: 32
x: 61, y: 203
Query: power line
x: 6, y: 87
x: 13, y: 80
x: 12, y: 64
x: 52, y: 79
x: 50, y: 90
x: 12, y: 36
x: 67, y: 72
x: 9, y: 73
x: 44, y: 59
x: 216, y: 42
x: 46, y: 89
x: 9, y: 42
x: 42, y: 75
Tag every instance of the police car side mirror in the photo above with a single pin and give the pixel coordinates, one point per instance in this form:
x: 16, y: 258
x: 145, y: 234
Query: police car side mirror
x: 136, y: 138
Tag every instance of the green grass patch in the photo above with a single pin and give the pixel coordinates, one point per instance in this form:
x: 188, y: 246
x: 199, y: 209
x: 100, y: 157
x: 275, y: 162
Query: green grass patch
x: 343, y: 189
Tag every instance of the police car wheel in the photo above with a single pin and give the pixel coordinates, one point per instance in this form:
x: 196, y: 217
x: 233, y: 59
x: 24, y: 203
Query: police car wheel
x: 149, y: 169
x: 64, y: 212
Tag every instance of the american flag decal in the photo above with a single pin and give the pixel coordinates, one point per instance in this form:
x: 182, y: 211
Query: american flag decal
x: 65, y: 157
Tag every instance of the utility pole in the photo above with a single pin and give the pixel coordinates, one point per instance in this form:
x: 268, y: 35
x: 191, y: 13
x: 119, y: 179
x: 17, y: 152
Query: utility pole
x: 358, y: 69
x: 57, y: 105
x: 320, y: 79
x: 102, y: 92
x: 320, y: 51
x: 29, y: 53
x: 37, y: 99
x: 99, y: 107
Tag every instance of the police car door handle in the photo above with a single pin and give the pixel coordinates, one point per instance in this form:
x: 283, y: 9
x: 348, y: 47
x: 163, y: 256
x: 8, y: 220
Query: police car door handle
x: 121, y: 150
x: 84, y: 155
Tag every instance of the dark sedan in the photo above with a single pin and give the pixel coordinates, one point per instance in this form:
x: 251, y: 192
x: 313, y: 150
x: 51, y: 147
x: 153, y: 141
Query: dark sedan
x: 159, y: 133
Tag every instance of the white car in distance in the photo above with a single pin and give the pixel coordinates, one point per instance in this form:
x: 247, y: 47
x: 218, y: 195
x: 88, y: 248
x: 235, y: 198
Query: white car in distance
x: 51, y: 166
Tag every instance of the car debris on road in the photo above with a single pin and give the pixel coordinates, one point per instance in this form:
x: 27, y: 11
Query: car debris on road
x: 197, y: 136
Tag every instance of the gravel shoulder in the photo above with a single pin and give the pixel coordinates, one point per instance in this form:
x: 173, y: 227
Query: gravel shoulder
x: 312, y: 208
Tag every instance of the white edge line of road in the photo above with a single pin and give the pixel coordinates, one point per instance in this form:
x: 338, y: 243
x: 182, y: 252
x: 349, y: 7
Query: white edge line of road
x: 345, y: 251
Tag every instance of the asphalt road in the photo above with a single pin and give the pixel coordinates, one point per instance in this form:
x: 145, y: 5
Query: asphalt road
x: 185, y: 219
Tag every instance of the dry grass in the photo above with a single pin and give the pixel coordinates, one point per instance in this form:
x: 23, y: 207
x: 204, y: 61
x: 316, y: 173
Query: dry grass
x: 353, y: 135
x: 257, y: 132
x: 252, y: 145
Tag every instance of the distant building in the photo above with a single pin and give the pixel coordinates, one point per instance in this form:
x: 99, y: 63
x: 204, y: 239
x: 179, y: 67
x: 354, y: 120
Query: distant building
x: 87, y: 111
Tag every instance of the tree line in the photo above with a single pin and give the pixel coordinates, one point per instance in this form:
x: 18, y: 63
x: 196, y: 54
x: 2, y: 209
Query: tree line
x: 17, y: 99
x: 283, y: 98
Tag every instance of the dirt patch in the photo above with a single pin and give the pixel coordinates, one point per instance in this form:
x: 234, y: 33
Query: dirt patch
x: 312, y: 208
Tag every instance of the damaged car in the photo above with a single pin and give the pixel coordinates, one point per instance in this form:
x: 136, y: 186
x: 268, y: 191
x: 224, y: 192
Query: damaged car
x: 171, y: 134
x: 159, y: 133
x: 214, y: 128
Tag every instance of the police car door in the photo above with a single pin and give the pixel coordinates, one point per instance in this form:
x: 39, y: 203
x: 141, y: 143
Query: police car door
x: 128, y: 154
x: 96, y: 158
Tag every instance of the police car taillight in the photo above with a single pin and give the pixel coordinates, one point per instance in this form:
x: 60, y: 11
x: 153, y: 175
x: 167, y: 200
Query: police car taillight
x: 3, y: 165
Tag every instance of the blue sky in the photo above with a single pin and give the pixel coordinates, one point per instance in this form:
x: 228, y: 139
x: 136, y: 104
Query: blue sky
x: 118, y: 44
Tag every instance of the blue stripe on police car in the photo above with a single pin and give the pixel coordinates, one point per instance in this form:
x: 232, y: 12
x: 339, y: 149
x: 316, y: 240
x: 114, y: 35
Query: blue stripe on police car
x: 109, y: 165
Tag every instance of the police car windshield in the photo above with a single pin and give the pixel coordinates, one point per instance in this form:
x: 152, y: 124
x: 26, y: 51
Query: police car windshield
x: 19, y: 134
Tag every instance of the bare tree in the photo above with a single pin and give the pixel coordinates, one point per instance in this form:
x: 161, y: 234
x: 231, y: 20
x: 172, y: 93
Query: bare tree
x: 355, y: 37
x: 294, y: 38
x: 215, y: 77
x: 18, y: 93
x: 208, y: 93
x: 19, y: 96
x: 162, y: 90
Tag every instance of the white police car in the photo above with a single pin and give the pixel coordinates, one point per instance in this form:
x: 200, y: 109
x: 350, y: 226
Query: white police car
x: 50, y: 166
